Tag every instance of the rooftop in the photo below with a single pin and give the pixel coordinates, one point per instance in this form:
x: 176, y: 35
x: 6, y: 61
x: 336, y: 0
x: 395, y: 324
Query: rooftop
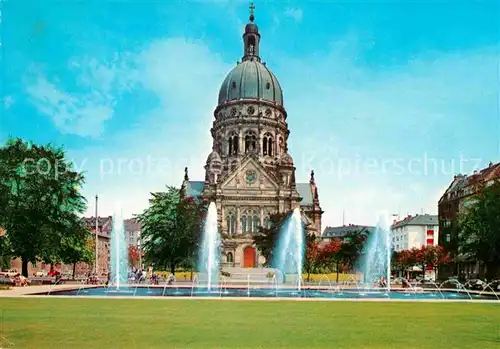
x: 424, y: 219
x: 344, y: 229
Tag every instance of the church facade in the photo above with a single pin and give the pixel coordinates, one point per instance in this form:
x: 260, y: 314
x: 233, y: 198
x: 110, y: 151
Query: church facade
x: 249, y: 174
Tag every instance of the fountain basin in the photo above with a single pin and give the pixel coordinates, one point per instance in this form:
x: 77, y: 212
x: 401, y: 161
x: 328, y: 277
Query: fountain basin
x: 281, y: 292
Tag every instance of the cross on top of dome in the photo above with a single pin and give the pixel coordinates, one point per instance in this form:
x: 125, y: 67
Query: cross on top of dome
x: 252, y: 8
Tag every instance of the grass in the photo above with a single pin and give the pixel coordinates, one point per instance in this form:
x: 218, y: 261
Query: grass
x: 167, y: 323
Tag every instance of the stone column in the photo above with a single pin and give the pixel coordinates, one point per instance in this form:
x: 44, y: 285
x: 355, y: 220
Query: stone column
x: 241, y: 142
x: 224, y: 226
x: 238, y: 223
x: 262, y: 216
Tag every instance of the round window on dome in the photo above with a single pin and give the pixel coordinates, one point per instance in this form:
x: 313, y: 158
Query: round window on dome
x: 268, y: 85
x: 233, y: 84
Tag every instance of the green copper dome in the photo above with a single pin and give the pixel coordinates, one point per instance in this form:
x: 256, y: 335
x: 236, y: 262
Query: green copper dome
x: 251, y: 79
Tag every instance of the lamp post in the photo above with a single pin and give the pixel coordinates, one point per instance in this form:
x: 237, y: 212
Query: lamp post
x: 96, y: 236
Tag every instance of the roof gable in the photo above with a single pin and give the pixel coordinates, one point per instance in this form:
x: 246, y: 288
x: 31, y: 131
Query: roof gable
x: 250, y: 161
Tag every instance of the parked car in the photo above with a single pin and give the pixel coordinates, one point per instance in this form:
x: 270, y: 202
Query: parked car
x: 11, y: 272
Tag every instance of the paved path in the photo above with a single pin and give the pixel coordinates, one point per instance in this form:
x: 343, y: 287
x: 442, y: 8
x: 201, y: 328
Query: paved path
x: 33, y: 290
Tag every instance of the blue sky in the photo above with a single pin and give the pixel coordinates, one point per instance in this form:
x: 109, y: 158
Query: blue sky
x: 386, y: 100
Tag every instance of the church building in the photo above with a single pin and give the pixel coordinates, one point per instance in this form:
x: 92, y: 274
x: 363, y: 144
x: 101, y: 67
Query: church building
x: 249, y: 174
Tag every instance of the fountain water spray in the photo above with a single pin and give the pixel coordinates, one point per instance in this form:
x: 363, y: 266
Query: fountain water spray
x: 376, y: 261
x: 289, y: 251
x: 119, y: 253
x: 209, y: 261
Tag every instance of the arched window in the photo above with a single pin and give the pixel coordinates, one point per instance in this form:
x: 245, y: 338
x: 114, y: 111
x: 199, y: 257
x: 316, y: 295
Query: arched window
x: 267, y: 222
x: 251, y: 45
x: 281, y: 146
x: 231, y: 228
x: 256, y: 224
x: 267, y: 145
x: 244, y: 224
x: 250, y: 141
x: 229, y: 257
x: 233, y: 144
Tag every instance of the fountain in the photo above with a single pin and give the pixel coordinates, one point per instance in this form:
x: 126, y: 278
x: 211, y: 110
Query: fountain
x: 119, y: 253
x: 376, y: 261
x: 209, y: 257
x: 289, y: 250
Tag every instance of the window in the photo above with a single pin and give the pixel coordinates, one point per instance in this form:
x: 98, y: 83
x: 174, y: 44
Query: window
x: 231, y: 224
x: 233, y: 84
x: 268, y: 85
x: 250, y: 141
x: 267, y: 222
x: 448, y: 237
x: 244, y: 227
x: 256, y: 224
x: 229, y: 257
x: 233, y: 144
x: 267, y: 145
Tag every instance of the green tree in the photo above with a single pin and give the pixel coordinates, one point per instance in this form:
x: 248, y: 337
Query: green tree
x: 479, y: 230
x: 39, y: 191
x: 267, y: 236
x: 74, y: 244
x: 171, y: 228
x: 5, y: 253
x: 352, y: 247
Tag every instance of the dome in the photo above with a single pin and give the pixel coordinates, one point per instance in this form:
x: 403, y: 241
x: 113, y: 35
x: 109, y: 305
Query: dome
x: 214, y: 157
x: 214, y: 162
x: 251, y: 28
x: 251, y: 79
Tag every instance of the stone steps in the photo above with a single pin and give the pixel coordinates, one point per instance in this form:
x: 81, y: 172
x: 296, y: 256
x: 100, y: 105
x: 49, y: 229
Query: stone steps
x: 244, y: 274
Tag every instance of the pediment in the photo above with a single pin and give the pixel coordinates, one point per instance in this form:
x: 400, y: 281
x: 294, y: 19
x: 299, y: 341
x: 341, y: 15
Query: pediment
x: 249, y: 174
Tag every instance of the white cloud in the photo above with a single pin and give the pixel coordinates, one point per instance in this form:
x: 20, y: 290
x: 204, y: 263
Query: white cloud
x: 8, y: 101
x: 341, y: 118
x: 184, y: 76
x: 83, y: 110
x: 294, y: 13
x: 352, y: 125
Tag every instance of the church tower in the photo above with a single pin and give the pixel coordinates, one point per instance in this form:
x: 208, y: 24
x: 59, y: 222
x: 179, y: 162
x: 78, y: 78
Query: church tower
x: 249, y: 173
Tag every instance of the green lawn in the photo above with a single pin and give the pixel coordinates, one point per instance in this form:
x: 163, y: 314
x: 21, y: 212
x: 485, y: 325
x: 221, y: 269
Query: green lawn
x: 160, y: 323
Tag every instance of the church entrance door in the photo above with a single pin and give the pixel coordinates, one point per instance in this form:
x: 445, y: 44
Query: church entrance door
x: 249, y: 257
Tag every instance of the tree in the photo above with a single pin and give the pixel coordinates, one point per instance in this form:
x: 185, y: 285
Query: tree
x: 39, y: 192
x: 436, y: 256
x: 333, y: 256
x: 5, y: 252
x: 313, y: 259
x: 479, y: 230
x: 133, y: 255
x: 267, y: 236
x: 352, y: 247
x: 171, y: 228
x: 404, y: 260
x: 74, y: 246
x: 427, y: 256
